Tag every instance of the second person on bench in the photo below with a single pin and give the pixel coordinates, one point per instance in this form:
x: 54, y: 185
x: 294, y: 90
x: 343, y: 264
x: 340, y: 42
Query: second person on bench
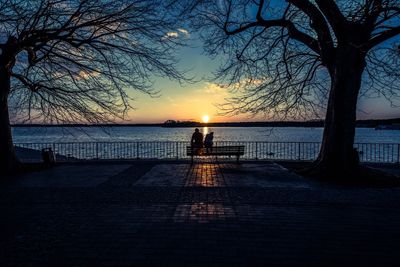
x: 208, y: 141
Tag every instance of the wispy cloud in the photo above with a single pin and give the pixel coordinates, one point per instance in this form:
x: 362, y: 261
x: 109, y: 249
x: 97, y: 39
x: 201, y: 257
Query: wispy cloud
x: 87, y: 74
x: 171, y: 34
x: 178, y: 33
x: 184, y: 32
x: 215, y: 89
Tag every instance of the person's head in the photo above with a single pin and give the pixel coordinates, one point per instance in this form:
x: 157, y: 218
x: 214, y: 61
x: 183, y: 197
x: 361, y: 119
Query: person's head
x: 212, y: 133
x: 196, y: 130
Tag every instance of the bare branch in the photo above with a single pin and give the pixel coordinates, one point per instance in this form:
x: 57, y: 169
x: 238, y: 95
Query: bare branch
x: 281, y: 57
x: 382, y: 37
x: 333, y: 14
x: 78, y: 59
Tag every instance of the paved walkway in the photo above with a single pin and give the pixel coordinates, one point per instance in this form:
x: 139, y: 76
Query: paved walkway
x: 148, y: 214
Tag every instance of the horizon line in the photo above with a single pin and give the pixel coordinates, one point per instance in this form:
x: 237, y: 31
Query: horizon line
x: 191, y: 123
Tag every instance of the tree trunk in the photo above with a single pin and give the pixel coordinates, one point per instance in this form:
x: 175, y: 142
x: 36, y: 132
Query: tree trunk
x: 337, y: 156
x: 9, y: 163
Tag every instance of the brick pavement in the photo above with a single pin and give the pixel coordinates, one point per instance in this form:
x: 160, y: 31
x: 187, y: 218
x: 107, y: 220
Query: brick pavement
x: 149, y: 214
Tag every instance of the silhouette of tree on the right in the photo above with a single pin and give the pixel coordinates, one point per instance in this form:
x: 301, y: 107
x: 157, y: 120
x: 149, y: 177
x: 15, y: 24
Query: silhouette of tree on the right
x: 297, y: 58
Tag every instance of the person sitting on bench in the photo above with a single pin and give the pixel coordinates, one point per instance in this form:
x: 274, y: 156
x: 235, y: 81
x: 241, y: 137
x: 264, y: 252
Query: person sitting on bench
x: 197, y: 140
x: 208, y: 141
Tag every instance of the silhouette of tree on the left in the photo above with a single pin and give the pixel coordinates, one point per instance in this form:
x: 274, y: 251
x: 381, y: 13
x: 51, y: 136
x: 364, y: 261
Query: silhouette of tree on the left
x: 72, y: 60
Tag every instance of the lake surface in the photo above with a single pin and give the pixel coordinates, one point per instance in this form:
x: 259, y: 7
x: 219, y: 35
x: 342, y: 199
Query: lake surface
x: 122, y: 134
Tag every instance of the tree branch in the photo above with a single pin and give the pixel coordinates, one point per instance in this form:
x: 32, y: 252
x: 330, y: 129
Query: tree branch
x: 318, y: 22
x: 382, y: 37
x: 292, y: 30
x: 333, y: 15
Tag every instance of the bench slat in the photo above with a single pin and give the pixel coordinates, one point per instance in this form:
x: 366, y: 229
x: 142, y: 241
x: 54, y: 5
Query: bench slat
x: 216, y: 151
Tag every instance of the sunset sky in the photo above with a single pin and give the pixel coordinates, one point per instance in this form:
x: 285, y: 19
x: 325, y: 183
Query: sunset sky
x: 187, y: 101
x: 192, y: 101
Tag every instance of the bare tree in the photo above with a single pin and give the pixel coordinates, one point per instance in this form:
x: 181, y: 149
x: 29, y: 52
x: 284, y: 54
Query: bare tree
x: 74, y: 60
x: 300, y: 57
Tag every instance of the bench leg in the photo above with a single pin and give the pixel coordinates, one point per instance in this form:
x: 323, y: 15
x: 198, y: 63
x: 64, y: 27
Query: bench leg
x: 237, y: 159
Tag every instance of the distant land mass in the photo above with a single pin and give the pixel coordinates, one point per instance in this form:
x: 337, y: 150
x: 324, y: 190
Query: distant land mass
x: 176, y: 124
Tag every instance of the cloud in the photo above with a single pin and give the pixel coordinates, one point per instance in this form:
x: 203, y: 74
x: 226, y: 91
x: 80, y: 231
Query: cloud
x: 83, y: 74
x: 213, y: 88
x: 178, y: 33
x: 184, y: 32
x: 171, y: 34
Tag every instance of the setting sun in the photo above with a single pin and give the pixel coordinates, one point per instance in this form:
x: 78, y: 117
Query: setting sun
x: 205, y: 118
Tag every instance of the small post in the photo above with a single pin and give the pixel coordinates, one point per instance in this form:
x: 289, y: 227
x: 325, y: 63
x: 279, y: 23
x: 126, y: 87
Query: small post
x: 97, y: 150
x: 137, y: 150
x: 54, y: 151
x: 298, y: 151
x: 398, y: 153
x: 256, y: 150
x: 177, y: 152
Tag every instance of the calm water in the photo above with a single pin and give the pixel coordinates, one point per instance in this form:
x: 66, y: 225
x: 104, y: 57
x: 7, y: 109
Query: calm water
x: 92, y: 134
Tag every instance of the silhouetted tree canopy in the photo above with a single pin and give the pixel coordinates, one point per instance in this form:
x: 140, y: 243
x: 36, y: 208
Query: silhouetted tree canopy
x: 278, y: 53
x: 72, y: 60
x: 75, y: 60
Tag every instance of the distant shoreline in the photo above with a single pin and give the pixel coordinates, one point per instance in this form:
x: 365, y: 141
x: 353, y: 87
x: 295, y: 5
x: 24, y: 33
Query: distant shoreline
x: 309, y: 124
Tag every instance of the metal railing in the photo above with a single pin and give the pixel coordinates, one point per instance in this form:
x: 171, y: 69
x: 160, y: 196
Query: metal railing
x: 302, y: 151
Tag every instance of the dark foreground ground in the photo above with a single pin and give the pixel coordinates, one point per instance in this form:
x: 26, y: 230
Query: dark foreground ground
x: 174, y: 214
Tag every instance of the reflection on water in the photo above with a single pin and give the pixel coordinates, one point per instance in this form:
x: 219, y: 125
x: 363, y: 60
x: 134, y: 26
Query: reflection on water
x: 205, y: 130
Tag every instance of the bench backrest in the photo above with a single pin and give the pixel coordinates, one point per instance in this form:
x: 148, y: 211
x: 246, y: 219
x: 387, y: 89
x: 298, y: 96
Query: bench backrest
x: 217, y: 150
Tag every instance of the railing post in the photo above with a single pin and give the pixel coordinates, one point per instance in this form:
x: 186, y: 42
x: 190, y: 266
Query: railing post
x: 398, y: 153
x: 54, y: 151
x: 97, y: 150
x: 177, y: 151
x: 298, y: 151
x: 256, y: 150
x: 137, y: 150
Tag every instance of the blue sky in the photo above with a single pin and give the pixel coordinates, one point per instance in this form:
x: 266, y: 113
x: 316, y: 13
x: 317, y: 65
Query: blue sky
x: 192, y: 101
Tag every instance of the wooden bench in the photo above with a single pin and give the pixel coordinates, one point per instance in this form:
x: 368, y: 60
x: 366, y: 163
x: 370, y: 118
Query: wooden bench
x: 215, y: 151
